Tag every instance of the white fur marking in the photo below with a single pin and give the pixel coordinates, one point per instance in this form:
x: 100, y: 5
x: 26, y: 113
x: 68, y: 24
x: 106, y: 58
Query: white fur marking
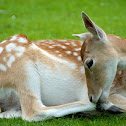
x: 19, y: 49
x: 118, y: 37
x: 57, y: 51
x: 68, y: 52
x: 60, y: 55
x: 78, y: 49
x: 19, y: 54
x: 64, y: 47
x: 41, y: 40
x: 62, y: 40
x: 3, y: 41
x: 79, y: 58
x: 72, y: 65
x: 22, y: 40
x: 10, y: 61
x: 10, y: 47
x: 1, y: 50
x: 13, y: 38
x: 74, y: 44
x: 58, y: 45
x: 67, y: 43
x: 2, y: 67
x: 50, y: 47
x: 75, y: 53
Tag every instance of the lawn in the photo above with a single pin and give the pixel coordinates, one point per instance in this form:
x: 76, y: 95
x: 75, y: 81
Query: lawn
x: 56, y: 19
x: 102, y: 120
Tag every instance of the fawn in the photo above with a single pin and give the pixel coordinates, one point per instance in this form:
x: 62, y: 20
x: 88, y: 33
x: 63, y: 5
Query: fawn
x: 52, y: 78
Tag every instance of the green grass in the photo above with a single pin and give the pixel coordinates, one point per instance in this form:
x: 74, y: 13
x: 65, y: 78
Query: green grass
x: 103, y: 120
x: 58, y: 19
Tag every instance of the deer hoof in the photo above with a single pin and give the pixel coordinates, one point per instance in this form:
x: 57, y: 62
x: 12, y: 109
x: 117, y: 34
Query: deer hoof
x: 115, y: 110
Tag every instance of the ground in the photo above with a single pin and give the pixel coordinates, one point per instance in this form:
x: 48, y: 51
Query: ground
x: 55, y: 19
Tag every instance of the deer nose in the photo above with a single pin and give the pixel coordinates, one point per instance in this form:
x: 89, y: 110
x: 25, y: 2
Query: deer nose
x: 89, y: 63
x: 93, y: 99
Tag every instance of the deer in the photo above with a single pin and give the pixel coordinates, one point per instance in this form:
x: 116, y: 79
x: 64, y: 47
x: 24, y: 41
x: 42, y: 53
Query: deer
x: 53, y: 78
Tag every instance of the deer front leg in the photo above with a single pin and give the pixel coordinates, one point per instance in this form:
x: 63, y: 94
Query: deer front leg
x: 116, y: 104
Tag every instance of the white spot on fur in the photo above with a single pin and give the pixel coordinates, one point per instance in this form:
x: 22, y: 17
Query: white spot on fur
x: 19, y: 54
x: 74, y: 44
x: 3, y: 41
x: 68, y: 52
x: 50, y: 47
x: 41, y: 40
x: 57, y: 51
x: 1, y: 50
x: 2, y: 67
x: 22, y: 40
x: 19, y: 49
x: 10, y: 61
x: 10, y: 47
x: 118, y: 37
x: 60, y: 55
x: 78, y: 49
x: 13, y: 38
x: 4, y: 59
x: 58, y: 45
x: 79, y: 58
x: 64, y: 47
x: 62, y: 40
x: 75, y: 53
x: 67, y: 43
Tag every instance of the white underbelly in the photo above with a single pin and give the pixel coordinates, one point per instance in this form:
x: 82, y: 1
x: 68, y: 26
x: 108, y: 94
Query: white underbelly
x: 59, y: 86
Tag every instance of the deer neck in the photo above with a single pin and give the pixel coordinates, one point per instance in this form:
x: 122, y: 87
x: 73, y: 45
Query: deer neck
x: 120, y: 46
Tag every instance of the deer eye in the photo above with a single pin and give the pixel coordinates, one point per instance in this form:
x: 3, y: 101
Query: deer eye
x: 89, y: 63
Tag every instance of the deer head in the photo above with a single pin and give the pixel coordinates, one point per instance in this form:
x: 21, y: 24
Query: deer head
x: 100, y: 60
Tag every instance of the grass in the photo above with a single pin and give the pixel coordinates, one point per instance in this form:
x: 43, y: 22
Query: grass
x: 55, y: 19
x: 103, y: 120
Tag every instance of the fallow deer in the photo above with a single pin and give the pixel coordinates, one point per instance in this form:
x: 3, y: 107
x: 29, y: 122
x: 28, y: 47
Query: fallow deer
x: 46, y: 78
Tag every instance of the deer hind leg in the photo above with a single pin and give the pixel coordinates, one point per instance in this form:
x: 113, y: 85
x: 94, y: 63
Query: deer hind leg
x: 118, y: 100
x: 34, y: 110
x: 12, y: 113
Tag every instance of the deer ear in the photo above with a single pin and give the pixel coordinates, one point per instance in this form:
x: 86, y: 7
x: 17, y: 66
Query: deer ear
x: 82, y: 36
x: 97, y: 32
